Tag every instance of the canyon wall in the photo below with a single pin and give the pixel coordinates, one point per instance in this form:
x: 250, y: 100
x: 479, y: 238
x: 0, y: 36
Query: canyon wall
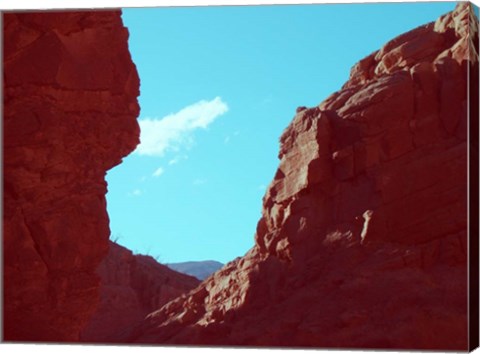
x: 131, y: 287
x: 70, y: 108
x: 363, y: 239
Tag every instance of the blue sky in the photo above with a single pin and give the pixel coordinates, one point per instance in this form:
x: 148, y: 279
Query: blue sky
x: 218, y: 87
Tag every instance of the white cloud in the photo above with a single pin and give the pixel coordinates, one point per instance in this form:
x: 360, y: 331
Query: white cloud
x: 228, y: 138
x: 135, y: 193
x: 171, y: 132
x: 158, y: 172
x: 174, y: 161
x: 177, y: 159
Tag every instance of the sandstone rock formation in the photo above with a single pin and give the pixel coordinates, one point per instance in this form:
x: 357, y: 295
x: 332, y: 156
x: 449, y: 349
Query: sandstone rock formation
x: 70, y: 108
x: 131, y: 287
x: 363, y: 239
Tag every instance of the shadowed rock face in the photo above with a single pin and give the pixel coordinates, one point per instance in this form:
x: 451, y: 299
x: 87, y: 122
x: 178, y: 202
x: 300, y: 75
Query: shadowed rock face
x: 363, y: 237
x: 131, y: 287
x: 70, y: 108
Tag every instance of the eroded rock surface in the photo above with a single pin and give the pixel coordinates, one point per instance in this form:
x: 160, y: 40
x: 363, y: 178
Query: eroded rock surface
x: 131, y: 287
x: 70, y: 108
x: 363, y: 238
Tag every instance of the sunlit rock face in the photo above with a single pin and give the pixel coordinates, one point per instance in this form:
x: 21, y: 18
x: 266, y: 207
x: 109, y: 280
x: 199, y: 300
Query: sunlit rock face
x: 70, y: 108
x: 363, y: 238
x: 131, y: 287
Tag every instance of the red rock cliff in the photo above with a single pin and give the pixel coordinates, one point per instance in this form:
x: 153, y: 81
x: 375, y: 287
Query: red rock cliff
x: 70, y: 108
x: 131, y: 287
x: 363, y: 237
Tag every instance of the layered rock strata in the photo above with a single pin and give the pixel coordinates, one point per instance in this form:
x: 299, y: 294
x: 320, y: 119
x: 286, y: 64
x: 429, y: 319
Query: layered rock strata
x: 131, y: 287
x: 70, y: 108
x: 363, y: 239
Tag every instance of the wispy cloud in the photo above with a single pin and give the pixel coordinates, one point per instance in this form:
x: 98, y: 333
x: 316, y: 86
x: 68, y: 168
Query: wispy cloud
x: 135, y: 193
x: 229, y: 137
x: 199, y: 182
x: 174, y: 161
x: 171, y: 132
x: 158, y: 172
x: 177, y: 159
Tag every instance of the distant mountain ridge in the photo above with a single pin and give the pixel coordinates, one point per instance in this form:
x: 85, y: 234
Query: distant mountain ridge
x: 197, y: 269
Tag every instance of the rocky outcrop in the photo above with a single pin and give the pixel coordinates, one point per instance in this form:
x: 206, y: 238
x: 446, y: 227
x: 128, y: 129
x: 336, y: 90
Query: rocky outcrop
x: 70, y: 108
x: 363, y: 238
x: 197, y: 269
x: 132, y: 286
